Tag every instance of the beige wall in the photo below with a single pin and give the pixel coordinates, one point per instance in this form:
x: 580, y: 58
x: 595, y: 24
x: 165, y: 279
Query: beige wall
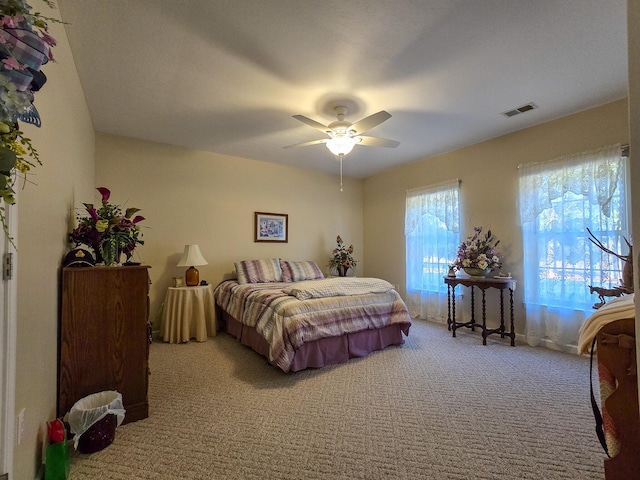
x: 488, y: 191
x: 197, y: 197
x: 65, y: 143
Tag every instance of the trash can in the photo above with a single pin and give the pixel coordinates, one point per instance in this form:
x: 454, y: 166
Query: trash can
x: 93, y: 420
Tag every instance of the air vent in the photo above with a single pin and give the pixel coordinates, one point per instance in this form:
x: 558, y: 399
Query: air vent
x: 519, y: 110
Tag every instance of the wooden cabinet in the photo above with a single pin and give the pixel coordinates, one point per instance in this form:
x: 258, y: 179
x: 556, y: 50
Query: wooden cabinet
x: 104, y: 336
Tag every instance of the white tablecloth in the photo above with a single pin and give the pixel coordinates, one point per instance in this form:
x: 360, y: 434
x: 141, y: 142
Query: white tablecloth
x: 188, y: 313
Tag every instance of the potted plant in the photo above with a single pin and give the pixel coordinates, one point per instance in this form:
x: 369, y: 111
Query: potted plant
x: 477, y: 255
x: 341, y: 259
x: 108, y: 231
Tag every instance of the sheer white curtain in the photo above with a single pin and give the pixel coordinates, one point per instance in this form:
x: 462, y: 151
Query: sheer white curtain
x: 432, y: 234
x: 558, y: 200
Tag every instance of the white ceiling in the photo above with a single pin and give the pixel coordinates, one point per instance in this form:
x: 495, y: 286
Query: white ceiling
x: 226, y: 76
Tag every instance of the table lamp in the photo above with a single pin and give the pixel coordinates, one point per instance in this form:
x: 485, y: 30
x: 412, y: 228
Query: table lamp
x: 192, y: 258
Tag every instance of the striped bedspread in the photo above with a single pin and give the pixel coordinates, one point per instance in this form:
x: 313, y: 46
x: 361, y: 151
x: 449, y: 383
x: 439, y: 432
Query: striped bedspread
x: 286, y: 322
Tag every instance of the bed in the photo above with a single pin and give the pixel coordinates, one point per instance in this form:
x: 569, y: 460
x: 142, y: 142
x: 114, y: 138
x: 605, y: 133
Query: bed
x: 289, y: 313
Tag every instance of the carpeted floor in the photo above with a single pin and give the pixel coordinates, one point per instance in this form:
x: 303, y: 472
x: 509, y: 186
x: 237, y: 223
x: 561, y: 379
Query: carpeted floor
x: 435, y: 408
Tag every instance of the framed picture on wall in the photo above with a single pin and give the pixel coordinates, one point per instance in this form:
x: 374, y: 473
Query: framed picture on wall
x: 271, y: 227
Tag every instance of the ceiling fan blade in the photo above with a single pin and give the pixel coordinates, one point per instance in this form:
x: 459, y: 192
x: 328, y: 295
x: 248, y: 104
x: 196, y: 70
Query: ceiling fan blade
x: 377, y: 142
x: 371, y: 121
x: 313, y: 123
x: 304, y: 144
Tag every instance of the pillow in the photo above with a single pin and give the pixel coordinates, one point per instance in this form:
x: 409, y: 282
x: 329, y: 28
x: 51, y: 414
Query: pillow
x: 259, y: 271
x: 299, y: 271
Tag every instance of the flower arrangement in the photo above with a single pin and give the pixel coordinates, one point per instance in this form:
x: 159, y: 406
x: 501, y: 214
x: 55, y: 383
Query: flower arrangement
x: 341, y: 258
x: 479, y: 251
x: 25, y: 45
x: 107, y: 231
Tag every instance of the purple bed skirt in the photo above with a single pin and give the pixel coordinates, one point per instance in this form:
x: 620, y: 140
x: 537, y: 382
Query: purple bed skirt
x: 326, y: 351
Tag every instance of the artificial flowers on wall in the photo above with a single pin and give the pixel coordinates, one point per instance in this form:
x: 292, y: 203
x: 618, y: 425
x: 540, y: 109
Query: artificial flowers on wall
x: 25, y: 45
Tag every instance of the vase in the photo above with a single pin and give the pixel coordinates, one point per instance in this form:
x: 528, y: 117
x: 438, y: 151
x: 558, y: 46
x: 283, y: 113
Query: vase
x: 110, y: 252
x: 342, y: 270
x: 476, y: 272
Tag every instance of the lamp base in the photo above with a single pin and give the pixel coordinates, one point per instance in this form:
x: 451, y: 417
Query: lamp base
x: 192, y: 277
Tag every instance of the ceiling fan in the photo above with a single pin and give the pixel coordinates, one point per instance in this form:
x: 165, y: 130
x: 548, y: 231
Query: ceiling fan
x: 344, y: 135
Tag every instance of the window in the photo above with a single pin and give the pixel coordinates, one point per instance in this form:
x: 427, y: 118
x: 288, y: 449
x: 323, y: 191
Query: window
x: 559, y: 201
x: 432, y: 234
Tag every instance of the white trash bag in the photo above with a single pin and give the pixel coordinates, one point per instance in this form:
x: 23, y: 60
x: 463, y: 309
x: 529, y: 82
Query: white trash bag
x: 93, y: 408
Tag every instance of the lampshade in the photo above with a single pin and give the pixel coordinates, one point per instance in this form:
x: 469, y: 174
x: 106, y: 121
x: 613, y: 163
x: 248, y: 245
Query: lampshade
x: 341, y: 144
x: 192, y: 257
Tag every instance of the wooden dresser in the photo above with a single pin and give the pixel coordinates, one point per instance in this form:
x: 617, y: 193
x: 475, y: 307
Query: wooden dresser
x: 104, y: 336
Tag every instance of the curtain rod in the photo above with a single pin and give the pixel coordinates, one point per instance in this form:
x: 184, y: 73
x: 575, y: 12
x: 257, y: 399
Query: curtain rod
x: 434, y: 186
x: 624, y: 151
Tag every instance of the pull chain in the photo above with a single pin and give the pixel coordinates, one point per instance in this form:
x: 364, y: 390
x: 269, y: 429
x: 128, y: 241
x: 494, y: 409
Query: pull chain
x: 341, y: 157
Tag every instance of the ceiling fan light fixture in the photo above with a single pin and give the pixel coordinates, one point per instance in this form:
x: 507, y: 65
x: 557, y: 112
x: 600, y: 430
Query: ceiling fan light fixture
x: 341, y: 144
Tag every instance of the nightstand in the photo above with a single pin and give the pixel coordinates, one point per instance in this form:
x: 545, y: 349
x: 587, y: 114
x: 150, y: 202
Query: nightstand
x: 188, y: 313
